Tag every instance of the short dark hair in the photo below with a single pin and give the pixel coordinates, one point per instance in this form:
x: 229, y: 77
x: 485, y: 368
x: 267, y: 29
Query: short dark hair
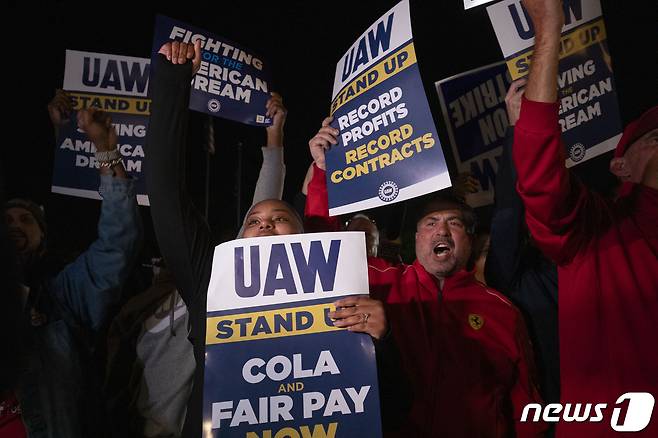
x: 448, y: 202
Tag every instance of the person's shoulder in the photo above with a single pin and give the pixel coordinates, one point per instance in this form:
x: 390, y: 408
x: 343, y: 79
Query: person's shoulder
x: 494, y: 299
x: 385, y: 266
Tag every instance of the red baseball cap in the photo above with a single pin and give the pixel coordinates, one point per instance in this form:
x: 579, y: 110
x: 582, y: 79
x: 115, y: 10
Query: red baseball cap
x: 636, y: 129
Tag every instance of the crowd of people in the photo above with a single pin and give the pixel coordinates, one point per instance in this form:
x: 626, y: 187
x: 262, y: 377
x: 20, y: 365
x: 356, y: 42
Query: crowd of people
x: 553, y: 303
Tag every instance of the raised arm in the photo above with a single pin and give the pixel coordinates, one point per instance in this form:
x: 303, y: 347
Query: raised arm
x: 561, y: 214
x: 507, y: 224
x: 182, y: 233
x: 90, y: 285
x: 316, y: 213
x: 273, y: 170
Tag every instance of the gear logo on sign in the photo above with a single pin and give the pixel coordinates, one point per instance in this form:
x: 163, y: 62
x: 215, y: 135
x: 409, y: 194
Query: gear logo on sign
x: 577, y: 152
x: 214, y: 105
x: 388, y: 191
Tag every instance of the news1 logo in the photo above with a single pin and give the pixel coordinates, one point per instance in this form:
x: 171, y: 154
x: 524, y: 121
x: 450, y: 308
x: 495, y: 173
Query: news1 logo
x: 637, y: 412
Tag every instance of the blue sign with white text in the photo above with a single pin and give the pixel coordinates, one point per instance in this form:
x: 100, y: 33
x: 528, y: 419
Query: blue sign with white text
x: 388, y: 149
x: 589, y: 113
x: 118, y: 85
x: 75, y: 168
x: 233, y: 82
x: 473, y: 105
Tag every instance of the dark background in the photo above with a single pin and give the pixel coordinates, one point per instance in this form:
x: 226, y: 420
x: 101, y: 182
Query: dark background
x: 303, y: 41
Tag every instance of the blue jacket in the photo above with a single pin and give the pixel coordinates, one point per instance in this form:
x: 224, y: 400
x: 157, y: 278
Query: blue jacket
x: 55, y: 391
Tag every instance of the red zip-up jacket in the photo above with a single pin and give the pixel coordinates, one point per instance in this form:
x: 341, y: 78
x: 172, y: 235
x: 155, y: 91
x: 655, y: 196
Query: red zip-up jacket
x: 607, y: 273
x: 465, y: 348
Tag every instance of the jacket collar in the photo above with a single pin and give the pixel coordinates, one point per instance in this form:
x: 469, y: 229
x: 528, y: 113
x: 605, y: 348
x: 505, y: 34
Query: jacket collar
x: 462, y: 277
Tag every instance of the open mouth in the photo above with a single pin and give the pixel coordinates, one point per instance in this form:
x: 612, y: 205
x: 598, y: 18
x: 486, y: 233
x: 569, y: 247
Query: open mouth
x: 441, y: 249
x: 16, y: 235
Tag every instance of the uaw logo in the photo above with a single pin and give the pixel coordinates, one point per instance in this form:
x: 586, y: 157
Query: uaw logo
x: 577, y: 152
x: 631, y: 412
x: 214, y: 105
x: 388, y: 191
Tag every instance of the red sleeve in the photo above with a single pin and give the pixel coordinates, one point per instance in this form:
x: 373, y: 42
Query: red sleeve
x: 525, y: 390
x: 316, y: 212
x: 561, y: 213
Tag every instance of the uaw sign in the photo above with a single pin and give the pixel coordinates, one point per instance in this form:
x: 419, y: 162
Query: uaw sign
x: 117, y: 85
x: 388, y: 149
x: 276, y: 366
x: 473, y: 105
x: 589, y: 112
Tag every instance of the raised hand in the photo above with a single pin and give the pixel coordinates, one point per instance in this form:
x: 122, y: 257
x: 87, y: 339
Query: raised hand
x: 178, y: 53
x: 278, y: 112
x: 322, y: 141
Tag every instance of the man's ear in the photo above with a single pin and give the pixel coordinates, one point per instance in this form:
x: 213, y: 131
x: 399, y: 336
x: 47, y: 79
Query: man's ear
x: 619, y: 168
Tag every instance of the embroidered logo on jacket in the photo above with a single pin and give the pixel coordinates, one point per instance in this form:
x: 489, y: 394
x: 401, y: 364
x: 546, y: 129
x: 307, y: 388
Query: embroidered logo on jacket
x: 476, y: 321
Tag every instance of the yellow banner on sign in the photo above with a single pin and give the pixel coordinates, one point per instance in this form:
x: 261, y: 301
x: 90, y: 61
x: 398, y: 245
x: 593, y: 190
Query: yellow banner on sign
x: 269, y: 324
x: 573, y: 42
x: 386, y: 68
x: 111, y: 104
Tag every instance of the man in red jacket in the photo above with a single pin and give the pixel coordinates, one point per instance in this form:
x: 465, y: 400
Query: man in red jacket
x: 606, y: 251
x: 464, y: 346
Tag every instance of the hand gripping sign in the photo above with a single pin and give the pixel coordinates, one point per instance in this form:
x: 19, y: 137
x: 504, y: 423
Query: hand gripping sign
x: 276, y: 366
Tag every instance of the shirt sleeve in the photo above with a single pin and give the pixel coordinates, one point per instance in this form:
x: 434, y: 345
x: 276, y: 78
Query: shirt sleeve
x: 182, y: 233
x: 271, y: 177
x: 316, y: 212
x: 561, y: 213
x: 507, y: 224
x: 91, y: 285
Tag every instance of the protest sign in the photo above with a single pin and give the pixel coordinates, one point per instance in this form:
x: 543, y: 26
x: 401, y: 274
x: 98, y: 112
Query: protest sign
x: 233, y: 82
x: 118, y: 85
x: 275, y: 364
x: 468, y: 4
x: 589, y: 112
x: 388, y: 149
x: 473, y: 105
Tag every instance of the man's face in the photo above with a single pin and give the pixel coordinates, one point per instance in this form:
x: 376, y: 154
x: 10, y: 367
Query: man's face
x: 23, y: 230
x: 372, y: 233
x: 271, y: 218
x: 639, y: 164
x: 442, y: 244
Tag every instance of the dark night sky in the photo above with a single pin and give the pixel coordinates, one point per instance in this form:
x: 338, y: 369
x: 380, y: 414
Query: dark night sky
x: 303, y: 41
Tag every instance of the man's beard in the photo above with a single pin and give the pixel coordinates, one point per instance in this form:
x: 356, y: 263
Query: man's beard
x: 19, y: 240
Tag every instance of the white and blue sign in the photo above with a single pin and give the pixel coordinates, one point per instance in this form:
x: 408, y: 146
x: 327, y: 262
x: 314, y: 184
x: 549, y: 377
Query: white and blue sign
x: 118, y: 85
x: 275, y: 363
x: 388, y: 149
x: 468, y: 4
x: 589, y: 112
x: 233, y: 82
x: 473, y: 105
